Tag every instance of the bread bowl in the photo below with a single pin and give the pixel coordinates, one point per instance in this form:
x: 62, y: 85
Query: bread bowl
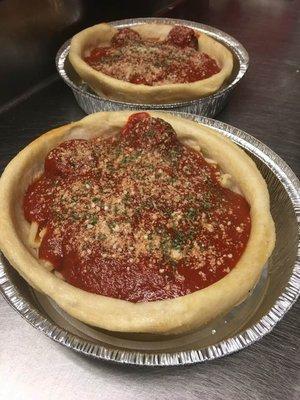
x: 175, y: 314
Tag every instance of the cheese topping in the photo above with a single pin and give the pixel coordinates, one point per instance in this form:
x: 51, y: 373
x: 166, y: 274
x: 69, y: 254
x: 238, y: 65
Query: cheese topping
x: 174, y: 60
x: 139, y: 216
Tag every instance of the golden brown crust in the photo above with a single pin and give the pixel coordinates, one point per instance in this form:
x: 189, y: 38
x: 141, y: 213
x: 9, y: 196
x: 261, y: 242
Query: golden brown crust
x: 100, y: 35
x: 166, y: 316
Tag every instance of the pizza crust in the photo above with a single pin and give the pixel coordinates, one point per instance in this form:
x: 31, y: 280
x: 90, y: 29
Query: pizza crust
x: 105, y: 85
x: 165, y: 316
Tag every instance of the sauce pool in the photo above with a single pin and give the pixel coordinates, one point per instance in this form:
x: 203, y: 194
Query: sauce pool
x: 177, y: 59
x: 138, y: 217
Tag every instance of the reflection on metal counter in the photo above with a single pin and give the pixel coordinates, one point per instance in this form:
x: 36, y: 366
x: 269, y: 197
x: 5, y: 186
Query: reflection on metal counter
x: 33, y: 30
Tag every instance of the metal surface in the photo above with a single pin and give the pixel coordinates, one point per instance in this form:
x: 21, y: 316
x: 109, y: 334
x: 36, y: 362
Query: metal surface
x: 29, y: 40
x: 275, y: 293
x: 265, y: 104
x: 207, y: 106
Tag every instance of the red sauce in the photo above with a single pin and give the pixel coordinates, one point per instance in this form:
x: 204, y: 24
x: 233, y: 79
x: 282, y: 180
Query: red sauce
x: 174, y: 60
x: 139, y: 216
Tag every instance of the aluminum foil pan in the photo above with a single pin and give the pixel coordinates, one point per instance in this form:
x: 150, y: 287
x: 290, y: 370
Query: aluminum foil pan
x: 208, y: 106
x: 276, y: 291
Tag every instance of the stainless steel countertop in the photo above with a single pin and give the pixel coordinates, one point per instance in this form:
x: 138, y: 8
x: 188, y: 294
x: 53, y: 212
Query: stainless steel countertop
x: 32, y: 367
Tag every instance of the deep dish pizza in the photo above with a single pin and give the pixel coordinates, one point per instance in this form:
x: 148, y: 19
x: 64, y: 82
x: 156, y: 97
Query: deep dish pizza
x: 140, y: 222
x: 150, y: 63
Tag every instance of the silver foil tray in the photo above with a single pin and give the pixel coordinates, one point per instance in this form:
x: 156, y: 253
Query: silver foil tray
x: 208, y: 106
x: 276, y: 291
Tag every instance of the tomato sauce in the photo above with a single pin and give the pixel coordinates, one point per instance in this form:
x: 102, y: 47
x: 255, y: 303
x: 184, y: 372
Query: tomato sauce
x: 175, y: 60
x: 139, y: 216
